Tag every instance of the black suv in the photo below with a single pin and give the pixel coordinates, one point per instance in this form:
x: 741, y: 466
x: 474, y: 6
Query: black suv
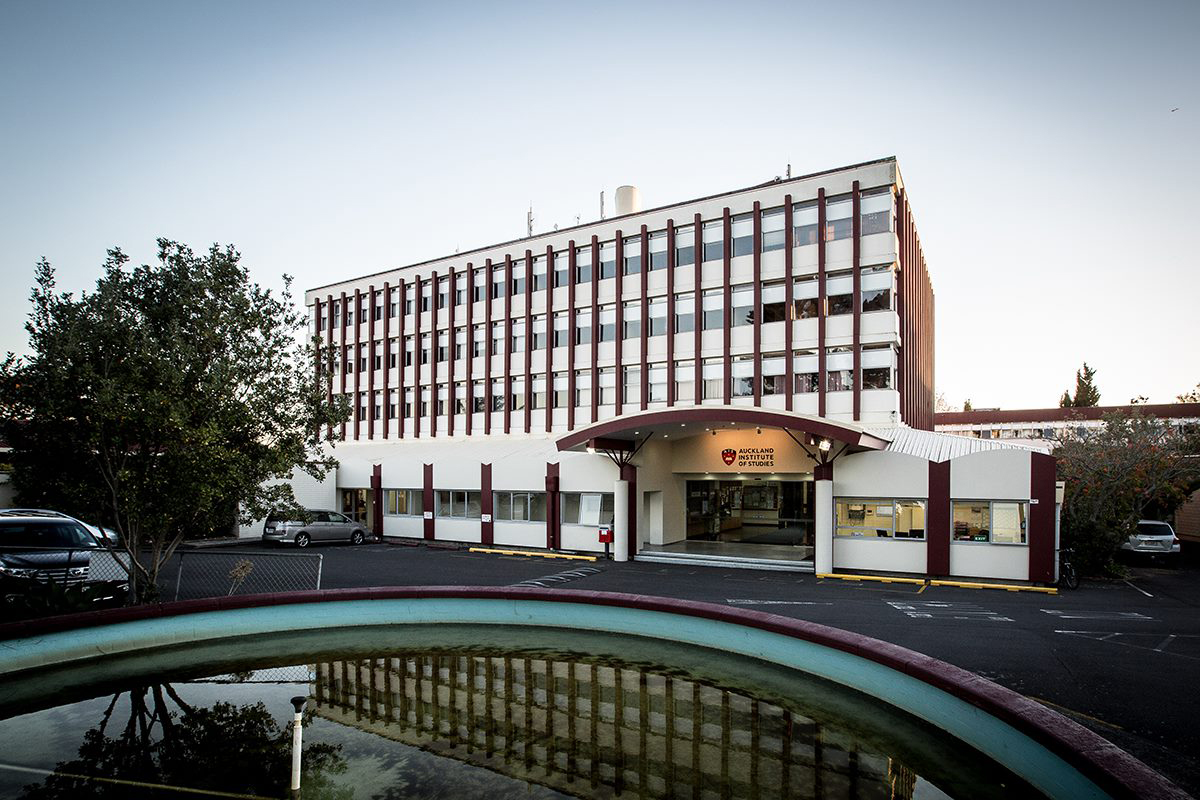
x: 45, y: 561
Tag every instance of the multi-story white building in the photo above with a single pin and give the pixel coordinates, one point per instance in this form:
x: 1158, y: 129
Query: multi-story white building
x: 744, y: 375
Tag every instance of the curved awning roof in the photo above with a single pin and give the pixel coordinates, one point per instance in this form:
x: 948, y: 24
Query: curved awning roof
x: 612, y: 434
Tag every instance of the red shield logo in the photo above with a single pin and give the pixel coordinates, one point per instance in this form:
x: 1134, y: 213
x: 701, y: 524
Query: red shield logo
x: 728, y: 455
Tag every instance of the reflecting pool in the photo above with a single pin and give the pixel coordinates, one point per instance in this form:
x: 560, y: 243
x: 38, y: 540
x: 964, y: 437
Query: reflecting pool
x: 466, y: 711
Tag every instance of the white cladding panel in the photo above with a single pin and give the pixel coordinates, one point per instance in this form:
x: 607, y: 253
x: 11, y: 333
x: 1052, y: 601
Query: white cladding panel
x: 880, y: 474
x: 979, y: 560
x: 882, y: 555
x: 991, y: 475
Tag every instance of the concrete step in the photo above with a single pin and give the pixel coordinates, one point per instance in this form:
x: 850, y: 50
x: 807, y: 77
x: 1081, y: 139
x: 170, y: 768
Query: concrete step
x: 728, y: 562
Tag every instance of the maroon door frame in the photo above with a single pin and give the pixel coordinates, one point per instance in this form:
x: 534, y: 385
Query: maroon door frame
x: 427, y: 501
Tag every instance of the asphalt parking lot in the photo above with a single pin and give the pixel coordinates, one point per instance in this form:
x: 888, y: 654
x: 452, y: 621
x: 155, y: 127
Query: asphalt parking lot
x: 1119, y: 657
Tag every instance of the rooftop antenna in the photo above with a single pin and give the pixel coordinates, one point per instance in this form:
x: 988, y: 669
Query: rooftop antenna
x: 529, y: 220
x: 789, y: 171
x: 601, y: 205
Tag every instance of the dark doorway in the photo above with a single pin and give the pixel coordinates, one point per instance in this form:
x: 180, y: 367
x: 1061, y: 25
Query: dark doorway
x: 766, y: 512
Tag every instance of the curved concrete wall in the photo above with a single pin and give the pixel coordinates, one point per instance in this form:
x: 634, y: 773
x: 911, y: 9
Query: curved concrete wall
x: 1059, y: 757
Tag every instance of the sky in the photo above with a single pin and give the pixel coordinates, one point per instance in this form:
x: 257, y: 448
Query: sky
x: 1048, y: 149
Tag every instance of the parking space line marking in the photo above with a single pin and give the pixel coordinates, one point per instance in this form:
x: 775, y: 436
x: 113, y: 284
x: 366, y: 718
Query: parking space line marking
x: 1121, y: 616
x: 939, y: 610
x: 1164, y: 644
x: 748, y: 602
x: 1143, y: 591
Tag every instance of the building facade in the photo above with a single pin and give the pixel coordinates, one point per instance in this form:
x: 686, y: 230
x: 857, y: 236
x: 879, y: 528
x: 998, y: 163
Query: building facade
x: 750, y: 368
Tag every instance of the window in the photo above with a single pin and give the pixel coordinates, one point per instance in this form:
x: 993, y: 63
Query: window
x: 685, y: 381
x: 539, y: 273
x: 631, y: 319
x: 377, y: 361
x: 839, y: 218
x: 714, y: 309
x: 876, y: 300
x: 460, y: 289
x: 559, y: 398
x: 742, y: 372
x: 714, y: 240
x: 774, y: 306
x: 403, y: 502
x: 804, y: 223
x: 685, y: 312
x: 478, y: 340
x: 478, y: 286
x: 460, y: 398
x: 497, y: 394
x: 443, y: 346
x: 805, y: 301
x: 583, y: 327
x: 337, y: 313
x: 425, y: 348
x: 805, y: 367
x: 539, y: 332
x: 376, y: 308
x: 497, y: 281
x: 713, y: 373
x: 587, y: 508
x: 478, y: 397
x: 537, y: 394
x: 443, y: 292
x: 632, y: 381
x: 408, y: 403
x: 657, y: 383
x: 519, y: 506
x: 631, y: 254
x: 839, y: 380
x: 742, y: 232
x: 518, y: 394
x: 877, y: 288
x: 518, y: 281
x: 772, y: 229
x: 562, y: 334
x: 877, y: 378
x: 658, y: 250
x: 497, y: 338
x: 393, y: 302
x: 440, y: 405
x: 583, y: 264
x: 880, y: 519
x: 426, y: 294
x: 841, y: 304
x: 608, y: 323
x: 875, y: 211
x: 741, y: 311
x: 658, y: 316
x: 460, y: 342
x: 583, y: 388
x: 562, y: 267
x: 685, y: 246
x: 774, y: 373
x: 608, y: 260
x: 992, y: 521
x: 608, y: 386
x: 457, y: 503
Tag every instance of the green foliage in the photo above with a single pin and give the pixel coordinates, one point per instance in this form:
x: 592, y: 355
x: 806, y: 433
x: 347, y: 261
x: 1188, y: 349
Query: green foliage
x: 1134, y: 467
x: 225, y: 748
x: 164, y: 401
x: 1086, y: 393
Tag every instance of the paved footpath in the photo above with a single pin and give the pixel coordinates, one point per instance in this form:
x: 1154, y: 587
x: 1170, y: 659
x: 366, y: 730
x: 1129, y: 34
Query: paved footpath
x: 1120, y: 657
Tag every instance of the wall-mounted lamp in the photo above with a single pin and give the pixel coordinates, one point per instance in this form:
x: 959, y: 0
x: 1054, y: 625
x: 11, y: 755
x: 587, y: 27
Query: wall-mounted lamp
x: 824, y: 445
x: 714, y: 433
x: 759, y: 430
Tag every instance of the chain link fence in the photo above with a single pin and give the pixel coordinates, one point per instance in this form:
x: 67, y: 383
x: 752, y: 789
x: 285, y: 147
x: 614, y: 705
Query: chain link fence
x: 220, y: 573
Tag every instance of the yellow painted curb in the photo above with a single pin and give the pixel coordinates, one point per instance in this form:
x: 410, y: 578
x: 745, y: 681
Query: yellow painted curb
x: 879, y: 578
x: 530, y: 553
x: 1008, y: 587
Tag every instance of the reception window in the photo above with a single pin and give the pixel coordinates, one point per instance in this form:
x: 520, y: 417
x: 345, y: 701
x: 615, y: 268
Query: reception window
x: 880, y: 518
x: 991, y: 521
x: 587, y: 508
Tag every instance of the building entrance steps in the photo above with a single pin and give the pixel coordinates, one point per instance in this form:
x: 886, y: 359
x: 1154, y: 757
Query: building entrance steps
x: 730, y: 554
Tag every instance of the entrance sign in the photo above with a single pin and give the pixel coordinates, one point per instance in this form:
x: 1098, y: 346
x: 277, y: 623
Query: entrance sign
x: 749, y: 457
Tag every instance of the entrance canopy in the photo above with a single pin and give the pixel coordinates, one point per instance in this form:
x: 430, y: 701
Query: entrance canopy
x: 630, y: 431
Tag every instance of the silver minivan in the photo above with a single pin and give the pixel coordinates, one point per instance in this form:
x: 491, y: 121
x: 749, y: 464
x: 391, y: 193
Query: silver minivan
x: 1151, y: 536
x: 319, y: 525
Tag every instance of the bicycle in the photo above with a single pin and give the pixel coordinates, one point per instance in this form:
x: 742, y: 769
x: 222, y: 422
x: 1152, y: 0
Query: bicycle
x: 1067, y: 576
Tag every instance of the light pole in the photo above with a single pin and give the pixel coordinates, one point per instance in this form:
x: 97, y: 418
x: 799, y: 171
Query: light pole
x: 297, y: 734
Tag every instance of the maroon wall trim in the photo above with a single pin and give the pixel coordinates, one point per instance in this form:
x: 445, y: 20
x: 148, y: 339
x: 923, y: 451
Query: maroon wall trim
x: 571, y: 335
x: 856, y: 224
x: 486, y: 524
x: 1042, y: 477
x: 529, y: 337
x: 470, y: 345
x: 385, y: 403
x: 645, y: 326
x: 595, y: 328
x: 821, y: 303
x: 727, y: 257
x: 337, y: 357
x: 433, y: 353
x: 937, y: 520
x: 628, y: 472
x: 357, y: 351
x: 403, y: 298
x: 698, y: 314
x: 757, y: 302
x: 341, y: 354
x: 371, y: 362
x: 550, y: 338
x: 416, y: 406
x: 427, y: 498
x: 670, y: 312
x: 487, y: 347
x: 377, y: 498
x: 553, y: 511
x: 451, y: 290
x: 823, y: 472
x: 620, y: 309
x: 507, y: 384
x: 915, y: 307
x: 788, y: 294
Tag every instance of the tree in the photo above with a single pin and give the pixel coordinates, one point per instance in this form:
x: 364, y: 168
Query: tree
x: 967, y: 405
x: 1190, y: 397
x: 166, y: 402
x: 1086, y: 393
x: 1132, y: 467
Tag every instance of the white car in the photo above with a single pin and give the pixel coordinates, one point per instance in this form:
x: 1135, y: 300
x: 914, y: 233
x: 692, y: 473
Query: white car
x: 1152, y: 537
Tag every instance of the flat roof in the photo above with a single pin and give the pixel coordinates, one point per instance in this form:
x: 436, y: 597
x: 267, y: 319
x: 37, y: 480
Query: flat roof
x: 983, y: 417
x: 777, y: 181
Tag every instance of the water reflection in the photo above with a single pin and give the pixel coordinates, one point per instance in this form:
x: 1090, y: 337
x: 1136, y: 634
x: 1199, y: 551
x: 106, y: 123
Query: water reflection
x: 600, y: 731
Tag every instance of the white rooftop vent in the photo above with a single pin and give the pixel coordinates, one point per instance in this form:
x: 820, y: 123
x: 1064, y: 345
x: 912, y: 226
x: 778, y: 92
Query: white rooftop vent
x: 629, y: 200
